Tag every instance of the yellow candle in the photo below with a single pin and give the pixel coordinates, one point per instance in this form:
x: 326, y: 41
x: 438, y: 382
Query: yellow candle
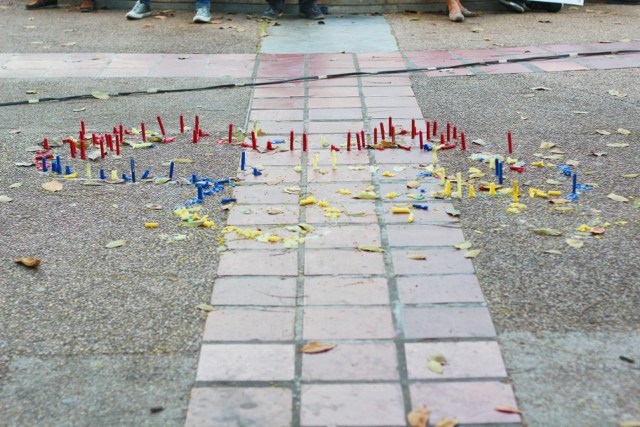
x: 400, y: 210
x: 447, y: 188
x: 515, y: 191
x: 442, y: 175
x: 459, y: 179
x: 88, y: 170
x: 333, y: 160
x: 492, y: 189
x: 114, y: 175
x: 472, y: 192
x: 435, y: 157
x: 315, y: 161
x: 151, y: 224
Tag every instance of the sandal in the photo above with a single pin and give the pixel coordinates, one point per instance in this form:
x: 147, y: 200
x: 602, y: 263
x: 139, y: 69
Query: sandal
x: 88, y: 6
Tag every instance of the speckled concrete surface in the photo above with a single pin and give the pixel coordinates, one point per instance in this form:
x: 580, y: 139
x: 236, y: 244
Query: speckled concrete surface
x: 117, y: 327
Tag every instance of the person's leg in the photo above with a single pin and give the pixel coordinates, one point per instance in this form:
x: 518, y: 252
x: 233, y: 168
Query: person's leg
x: 203, y: 11
x: 274, y: 11
x: 455, y: 11
x: 39, y: 4
x: 514, y: 5
x: 540, y: 5
x: 309, y: 9
x: 465, y: 12
x: 140, y: 10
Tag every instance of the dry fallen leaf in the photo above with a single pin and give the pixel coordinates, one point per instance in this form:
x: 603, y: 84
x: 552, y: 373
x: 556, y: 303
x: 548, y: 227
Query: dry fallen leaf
x: 618, y: 144
x: 370, y: 248
x: 5, y: 199
x: 205, y: 307
x: 552, y: 251
x: 623, y: 131
x: 472, y: 254
x: 508, y: 410
x: 417, y: 257
x: 630, y: 423
x: 435, y: 366
x: 575, y: 243
x: 631, y: 175
x: 316, y: 347
x: 447, y: 422
x: 463, y: 245
x: 603, y: 132
x: 547, y: 231
x: 617, y: 198
x: 53, y: 186
x: 597, y: 230
x: 99, y: 95
x: 418, y: 417
x: 413, y: 184
x: 452, y: 211
x: 28, y: 262
x: 115, y: 244
x: 153, y: 206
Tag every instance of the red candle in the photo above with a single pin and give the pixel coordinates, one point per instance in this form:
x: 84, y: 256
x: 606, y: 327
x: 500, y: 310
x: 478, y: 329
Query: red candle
x: 83, y: 151
x: 392, y: 132
x: 254, y: 140
x: 390, y: 123
x: 463, y: 141
x: 358, y: 140
x: 413, y: 128
x: 230, y: 133
x: 269, y: 146
x: 121, y: 133
x: 362, y: 137
x: 434, y: 131
x: 448, y: 131
x: 197, y: 126
x: 72, y: 148
x: 359, y: 145
x: 349, y: 140
x: 181, y: 123
x: 382, y: 131
x: 161, y: 125
x: 509, y: 142
x: 291, y: 140
x: 455, y: 132
x: 421, y: 140
x: 109, y: 142
x: 144, y: 133
x: 82, y: 128
x: 375, y: 136
x: 117, y: 146
x: 442, y: 139
x: 102, y: 152
x: 45, y: 144
x: 428, y: 130
x: 304, y: 142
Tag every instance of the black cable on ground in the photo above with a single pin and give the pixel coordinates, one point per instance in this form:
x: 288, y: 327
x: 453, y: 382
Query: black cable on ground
x: 328, y: 76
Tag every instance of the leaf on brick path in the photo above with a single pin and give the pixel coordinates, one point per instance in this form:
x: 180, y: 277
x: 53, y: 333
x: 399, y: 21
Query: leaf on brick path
x: 205, y: 307
x: 618, y: 144
x: 452, y: 211
x: 603, y: 132
x: 617, y: 198
x: 115, y: 244
x: 369, y: 248
x: 473, y: 253
x: 153, y: 206
x: 541, y: 88
x: 28, y: 262
x: 547, y: 145
x: 597, y: 230
x: 631, y: 175
x: 53, y: 186
x: 16, y: 185
x: 367, y: 195
x: 68, y: 44
x: 292, y: 190
x: 416, y: 256
x: 275, y: 211
x: 99, y: 95
x: 508, y: 410
x: 623, y: 131
x: 447, y: 422
x: 552, y: 251
x: 435, y: 366
x: 598, y: 153
x: 418, y: 417
x: 574, y: 243
x: 5, y: 199
x: 463, y: 245
x: 547, y: 232
x: 553, y: 182
x: 413, y: 184
x: 559, y: 201
x: 316, y: 347
x: 630, y: 423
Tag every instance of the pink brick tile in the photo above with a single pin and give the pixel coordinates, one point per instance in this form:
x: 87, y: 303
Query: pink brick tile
x: 452, y: 288
x: 328, y: 290
x: 379, y: 56
x: 282, y: 57
x: 347, y: 323
x: 233, y: 72
x: 377, y: 113
x: 321, y: 127
x: 278, y: 92
x: 125, y: 72
x: 23, y: 73
x: 245, y: 58
x: 217, y: 407
x: 436, y: 213
x: 353, y: 102
x: 346, y: 81
x: 352, y: 362
x: 271, y: 173
x: 480, y: 359
x: 321, y: 262
x: 449, y: 72
x: 329, y: 69
x: 276, y: 115
x: 448, y: 322
x: 341, y: 174
x: 439, y: 261
x: 423, y: 235
x: 478, y: 54
x: 178, y: 71
x: 259, y: 263
x: 249, y: 325
x: 263, y: 214
x: 277, y: 103
x: 402, y: 156
x: 252, y: 194
x: 19, y: 64
x: 417, y: 195
x: 330, y: 58
x: 384, y: 101
x: 344, y: 236
x: 76, y: 72
x: 504, y: 69
x: 388, y: 91
x: 384, y: 81
x: 272, y: 127
x: 408, y: 172
x: 335, y: 114
x: 352, y: 405
x: 607, y: 63
x: 246, y: 362
x: 276, y: 291
x: 344, y: 157
x: 334, y: 92
x: 428, y: 54
x: 558, y: 66
x: 273, y: 158
x: 468, y: 402
x: 355, y: 213
x: 329, y: 192
x: 523, y: 51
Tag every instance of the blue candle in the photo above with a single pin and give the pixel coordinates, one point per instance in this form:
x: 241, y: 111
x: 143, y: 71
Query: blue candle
x: 194, y: 178
x: 67, y: 170
x: 500, y: 171
x: 256, y: 172
x: 243, y: 160
x: 200, y: 193
x: 44, y: 164
x: 58, y: 165
x: 102, y: 174
x: 146, y: 173
x: 575, y: 183
x: 133, y: 170
x: 171, y: 167
x: 497, y: 163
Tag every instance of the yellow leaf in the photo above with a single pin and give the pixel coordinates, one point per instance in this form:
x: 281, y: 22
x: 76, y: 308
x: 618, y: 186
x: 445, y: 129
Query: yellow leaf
x: 99, y: 95
x: 28, y: 262
x: 115, y: 244
x: 617, y: 198
x: 316, y: 347
x: 413, y: 184
x: 547, y: 231
x: 435, y: 366
x: 370, y: 248
x: 631, y: 175
x: 447, y: 422
x: 418, y: 417
x: 463, y: 245
x: 472, y: 254
x: 630, y: 423
x: 623, y: 131
x: 417, y: 256
x: 575, y: 243
x: 53, y: 186
x: 205, y: 307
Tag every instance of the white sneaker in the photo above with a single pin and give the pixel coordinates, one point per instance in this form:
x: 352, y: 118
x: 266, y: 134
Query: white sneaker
x: 140, y: 10
x: 203, y: 15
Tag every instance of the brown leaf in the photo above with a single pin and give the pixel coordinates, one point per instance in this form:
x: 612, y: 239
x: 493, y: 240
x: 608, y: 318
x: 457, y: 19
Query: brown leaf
x: 447, y: 422
x: 418, y: 417
x: 508, y: 410
x: 417, y: 257
x: 316, y: 347
x: 52, y: 186
x: 413, y: 184
x: 28, y: 262
x: 597, y: 230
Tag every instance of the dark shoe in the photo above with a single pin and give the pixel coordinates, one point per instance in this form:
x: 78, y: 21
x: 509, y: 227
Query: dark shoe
x: 467, y: 13
x: 39, y: 4
x: 271, y: 14
x: 513, y: 5
x: 88, y: 6
x: 312, y: 12
x: 540, y: 5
